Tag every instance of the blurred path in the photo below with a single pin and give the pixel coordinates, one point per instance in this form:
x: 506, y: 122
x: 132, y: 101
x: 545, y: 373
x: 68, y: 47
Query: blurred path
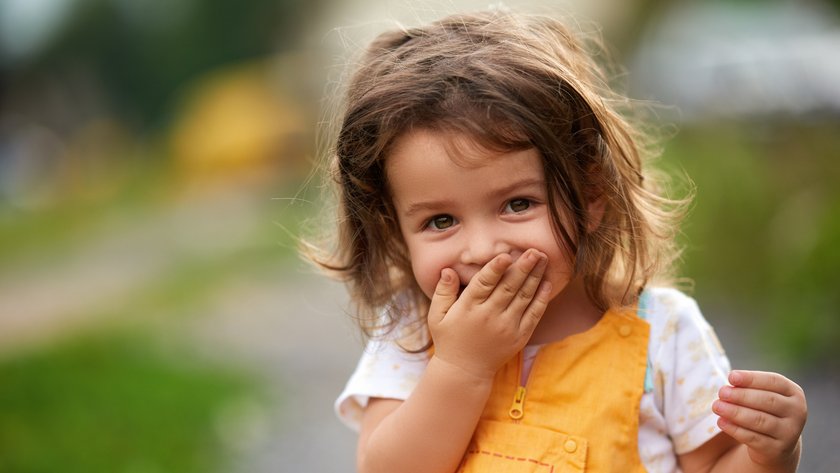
x: 297, y: 335
x: 44, y: 297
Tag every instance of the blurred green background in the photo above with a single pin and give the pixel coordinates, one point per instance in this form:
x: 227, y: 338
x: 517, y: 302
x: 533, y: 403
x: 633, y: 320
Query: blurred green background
x: 156, y: 168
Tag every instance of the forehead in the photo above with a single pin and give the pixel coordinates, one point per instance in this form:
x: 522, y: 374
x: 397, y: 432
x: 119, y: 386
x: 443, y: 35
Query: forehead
x: 425, y: 162
x: 461, y: 148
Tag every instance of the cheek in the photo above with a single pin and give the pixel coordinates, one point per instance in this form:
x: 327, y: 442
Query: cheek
x: 422, y: 276
x: 560, y: 268
x: 426, y: 268
x: 558, y: 274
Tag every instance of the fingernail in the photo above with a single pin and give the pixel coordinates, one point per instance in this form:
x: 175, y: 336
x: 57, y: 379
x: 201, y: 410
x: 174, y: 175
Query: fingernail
x: 735, y: 377
x: 445, y: 276
x: 534, y: 256
x: 725, y: 392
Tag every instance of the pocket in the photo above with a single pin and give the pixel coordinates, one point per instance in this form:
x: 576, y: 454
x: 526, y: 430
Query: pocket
x: 503, y: 447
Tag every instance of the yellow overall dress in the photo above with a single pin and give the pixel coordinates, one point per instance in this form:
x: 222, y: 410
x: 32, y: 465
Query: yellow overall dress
x: 578, y: 410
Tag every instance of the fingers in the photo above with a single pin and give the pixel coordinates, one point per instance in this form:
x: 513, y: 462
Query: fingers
x: 767, y: 392
x: 520, y: 289
x: 536, y: 308
x: 520, y: 280
x: 485, y: 282
x: 521, y: 295
x: 762, y: 410
x: 482, y: 328
x: 754, y: 420
x: 754, y: 440
x: 764, y: 381
x: 763, y: 448
x: 446, y: 293
x: 764, y: 401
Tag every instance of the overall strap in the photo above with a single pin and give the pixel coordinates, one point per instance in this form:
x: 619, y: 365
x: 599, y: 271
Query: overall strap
x: 644, y: 301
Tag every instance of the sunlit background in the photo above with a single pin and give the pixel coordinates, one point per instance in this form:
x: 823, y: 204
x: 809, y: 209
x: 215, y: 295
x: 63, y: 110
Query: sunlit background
x: 156, y: 168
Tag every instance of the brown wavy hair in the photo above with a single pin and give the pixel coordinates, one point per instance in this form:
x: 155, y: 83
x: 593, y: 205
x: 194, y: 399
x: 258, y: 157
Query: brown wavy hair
x: 507, y: 82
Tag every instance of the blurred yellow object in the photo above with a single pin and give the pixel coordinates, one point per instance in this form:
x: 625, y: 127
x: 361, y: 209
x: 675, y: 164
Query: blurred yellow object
x: 235, y: 123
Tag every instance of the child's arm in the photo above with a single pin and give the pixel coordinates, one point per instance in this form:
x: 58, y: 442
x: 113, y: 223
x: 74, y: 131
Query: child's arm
x: 474, y: 335
x: 763, y: 415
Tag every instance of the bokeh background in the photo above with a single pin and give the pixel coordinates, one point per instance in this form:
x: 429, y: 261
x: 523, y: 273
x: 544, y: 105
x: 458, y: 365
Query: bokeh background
x: 158, y: 163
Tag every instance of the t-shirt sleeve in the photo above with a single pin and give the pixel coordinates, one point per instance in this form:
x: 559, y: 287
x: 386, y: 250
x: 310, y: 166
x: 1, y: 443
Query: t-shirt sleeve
x: 690, y: 367
x: 385, y: 370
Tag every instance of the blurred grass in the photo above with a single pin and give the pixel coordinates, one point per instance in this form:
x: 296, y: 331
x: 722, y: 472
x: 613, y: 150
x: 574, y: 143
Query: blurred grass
x: 109, y: 403
x: 102, y: 397
x: 764, y: 231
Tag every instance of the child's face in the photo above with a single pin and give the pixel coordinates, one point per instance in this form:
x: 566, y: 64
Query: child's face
x: 461, y: 213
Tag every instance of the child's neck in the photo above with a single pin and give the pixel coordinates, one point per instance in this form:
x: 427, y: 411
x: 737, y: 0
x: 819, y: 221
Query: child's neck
x: 570, y: 312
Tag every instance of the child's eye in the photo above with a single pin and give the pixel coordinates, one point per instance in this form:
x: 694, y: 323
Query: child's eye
x: 517, y: 205
x: 441, y: 222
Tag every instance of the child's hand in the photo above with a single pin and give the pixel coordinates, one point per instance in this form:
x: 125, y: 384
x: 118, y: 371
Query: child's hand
x: 494, y: 317
x: 764, y: 411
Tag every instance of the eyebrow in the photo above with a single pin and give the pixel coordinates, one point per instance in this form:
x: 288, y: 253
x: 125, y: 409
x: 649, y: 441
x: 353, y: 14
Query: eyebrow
x: 432, y: 205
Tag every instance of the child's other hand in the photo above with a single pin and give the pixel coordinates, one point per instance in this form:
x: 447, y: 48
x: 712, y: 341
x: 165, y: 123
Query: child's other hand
x: 766, y: 412
x: 495, y: 315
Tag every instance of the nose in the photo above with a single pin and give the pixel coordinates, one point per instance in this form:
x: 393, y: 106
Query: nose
x: 482, y: 244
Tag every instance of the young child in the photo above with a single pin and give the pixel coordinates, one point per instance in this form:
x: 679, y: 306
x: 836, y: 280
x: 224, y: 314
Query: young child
x: 504, y: 240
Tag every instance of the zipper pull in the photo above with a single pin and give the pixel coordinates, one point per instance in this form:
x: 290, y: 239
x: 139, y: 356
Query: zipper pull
x: 517, y: 409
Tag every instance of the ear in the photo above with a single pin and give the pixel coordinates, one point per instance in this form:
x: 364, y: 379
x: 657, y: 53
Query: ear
x: 595, y: 213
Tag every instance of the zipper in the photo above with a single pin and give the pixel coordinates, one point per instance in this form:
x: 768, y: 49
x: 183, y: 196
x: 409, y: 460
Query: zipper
x: 517, y: 408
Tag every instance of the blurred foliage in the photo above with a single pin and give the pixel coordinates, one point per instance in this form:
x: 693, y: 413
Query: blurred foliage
x: 109, y: 403
x: 763, y: 234
x: 142, y: 53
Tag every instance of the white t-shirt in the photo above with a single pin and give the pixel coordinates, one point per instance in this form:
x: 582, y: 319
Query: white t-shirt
x: 687, y: 366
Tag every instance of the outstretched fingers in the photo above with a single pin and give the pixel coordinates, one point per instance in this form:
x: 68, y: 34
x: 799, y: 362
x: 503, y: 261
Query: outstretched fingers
x: 526, y: 291
x: 521, y: 294
x: 536, y: 308
x: 518, y: 285
x: 495, y: 315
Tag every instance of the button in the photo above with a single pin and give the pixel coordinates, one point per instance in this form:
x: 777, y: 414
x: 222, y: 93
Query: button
x: 624, y: 330
x: 570, y: 446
